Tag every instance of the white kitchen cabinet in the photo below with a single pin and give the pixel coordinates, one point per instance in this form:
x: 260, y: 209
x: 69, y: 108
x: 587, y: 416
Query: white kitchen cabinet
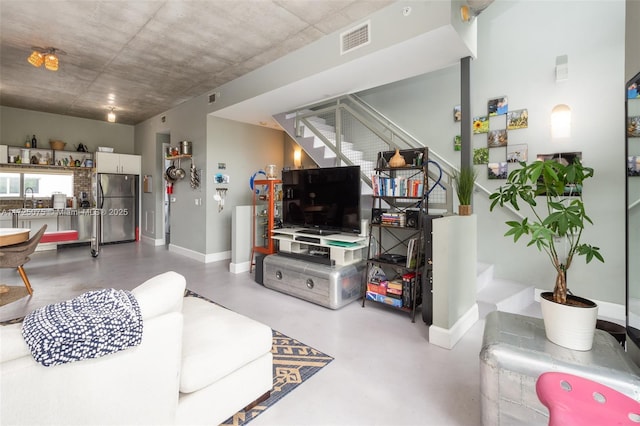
x: 108, y: 162
x: 35, y: 222
x: 6, y: 221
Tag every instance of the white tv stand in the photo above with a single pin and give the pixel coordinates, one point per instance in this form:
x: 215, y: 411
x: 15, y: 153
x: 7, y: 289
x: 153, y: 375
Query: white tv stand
x: 343, y: 249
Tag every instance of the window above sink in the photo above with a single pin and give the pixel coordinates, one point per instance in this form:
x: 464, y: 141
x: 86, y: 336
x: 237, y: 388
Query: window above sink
x: 43, y: 184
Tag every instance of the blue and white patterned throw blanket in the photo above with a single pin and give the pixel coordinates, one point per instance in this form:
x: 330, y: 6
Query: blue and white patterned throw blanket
x: 91, y: 325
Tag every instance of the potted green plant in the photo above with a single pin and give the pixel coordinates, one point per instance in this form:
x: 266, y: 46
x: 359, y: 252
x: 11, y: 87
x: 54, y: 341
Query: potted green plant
x: 555, y: 228
x: 464, y: 181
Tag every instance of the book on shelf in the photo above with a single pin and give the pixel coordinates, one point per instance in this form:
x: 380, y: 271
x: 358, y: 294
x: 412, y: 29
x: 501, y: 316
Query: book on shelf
x: 384, y: 299
x: 412, y: 253
x: 408, y: 283
x: 384, y: 186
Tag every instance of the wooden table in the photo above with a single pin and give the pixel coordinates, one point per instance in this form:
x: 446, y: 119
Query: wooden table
x: 9, y: 236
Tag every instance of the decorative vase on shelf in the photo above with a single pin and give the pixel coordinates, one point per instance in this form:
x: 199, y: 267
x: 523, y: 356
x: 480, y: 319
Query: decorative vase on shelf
x: 397, y: 160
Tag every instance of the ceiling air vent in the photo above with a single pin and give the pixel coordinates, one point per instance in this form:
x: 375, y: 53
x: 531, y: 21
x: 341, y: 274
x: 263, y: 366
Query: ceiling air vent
x: 213, y: 97
x: 355, y: 37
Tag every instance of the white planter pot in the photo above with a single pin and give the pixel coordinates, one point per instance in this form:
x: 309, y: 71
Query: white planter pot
x: 571, y: 327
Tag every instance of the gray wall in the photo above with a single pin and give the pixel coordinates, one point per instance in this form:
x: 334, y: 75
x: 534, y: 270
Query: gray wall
x: 200, y: 230
x: 16, y: 124
x: 632, y: 56
x: 184, y: 122
x: 244, y: 149
x: 518, y: 42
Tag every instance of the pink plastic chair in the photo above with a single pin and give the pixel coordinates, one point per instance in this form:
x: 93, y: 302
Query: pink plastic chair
x: 574, y: 400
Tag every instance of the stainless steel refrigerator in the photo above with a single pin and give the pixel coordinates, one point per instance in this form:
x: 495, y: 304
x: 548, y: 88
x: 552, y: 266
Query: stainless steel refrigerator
x: 117, y: 196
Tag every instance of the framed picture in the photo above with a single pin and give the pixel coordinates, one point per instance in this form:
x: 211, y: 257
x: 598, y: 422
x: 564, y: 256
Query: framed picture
x: 498, y: 106
x: 633, y: 127
x: 518, y: 119
x: 517, y: 153
x: 497, y: 170
x: 565, y: 158
x: 633, y: 165
x: 633, y: 91
x: 497, y: 138
x: 480, y: 125
x: 481, y: 156
x: 457, y: 143
x: 457, y: 113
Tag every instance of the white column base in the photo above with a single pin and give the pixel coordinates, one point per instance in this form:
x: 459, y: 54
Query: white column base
x: 447, y: 338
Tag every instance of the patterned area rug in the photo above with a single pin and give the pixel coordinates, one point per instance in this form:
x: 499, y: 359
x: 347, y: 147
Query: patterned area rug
x: 293, y: 363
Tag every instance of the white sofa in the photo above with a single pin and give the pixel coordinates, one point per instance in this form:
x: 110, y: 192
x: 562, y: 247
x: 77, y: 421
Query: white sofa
x: 198, y: 363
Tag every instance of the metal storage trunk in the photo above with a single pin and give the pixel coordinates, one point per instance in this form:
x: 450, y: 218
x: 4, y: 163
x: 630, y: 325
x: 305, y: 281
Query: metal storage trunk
x: 515, y: 351
x: 328, y: 286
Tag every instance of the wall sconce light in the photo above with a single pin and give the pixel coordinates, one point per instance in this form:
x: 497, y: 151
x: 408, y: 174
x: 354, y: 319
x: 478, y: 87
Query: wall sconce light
x: 48, y: 57
x: 473, y: 8
x: 111, y: 116
x: 561, y: 121
x: 297, y: 158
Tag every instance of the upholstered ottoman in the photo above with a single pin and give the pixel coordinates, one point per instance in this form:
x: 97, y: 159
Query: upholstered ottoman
x: 226, y: 363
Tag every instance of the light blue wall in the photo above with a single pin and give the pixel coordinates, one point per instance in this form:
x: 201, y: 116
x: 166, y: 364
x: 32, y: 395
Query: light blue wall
x: 518, y: 42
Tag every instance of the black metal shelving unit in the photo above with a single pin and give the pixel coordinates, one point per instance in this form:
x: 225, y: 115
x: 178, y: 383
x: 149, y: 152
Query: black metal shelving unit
x: 395, y: 258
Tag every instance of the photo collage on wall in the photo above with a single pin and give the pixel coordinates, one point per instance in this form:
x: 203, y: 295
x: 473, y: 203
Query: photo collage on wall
x: 497, y: 152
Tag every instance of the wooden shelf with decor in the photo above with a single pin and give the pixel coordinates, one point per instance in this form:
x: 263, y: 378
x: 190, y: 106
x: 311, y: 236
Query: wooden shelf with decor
x: 267, y: 207
x: 48, y: 157
x: 178, y: 157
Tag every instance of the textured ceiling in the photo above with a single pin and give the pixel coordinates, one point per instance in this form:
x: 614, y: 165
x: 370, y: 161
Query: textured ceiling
x: 144, y: 57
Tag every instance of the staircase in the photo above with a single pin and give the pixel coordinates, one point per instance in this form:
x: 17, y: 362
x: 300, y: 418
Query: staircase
x: 346, y: 131
x: 496, y: 294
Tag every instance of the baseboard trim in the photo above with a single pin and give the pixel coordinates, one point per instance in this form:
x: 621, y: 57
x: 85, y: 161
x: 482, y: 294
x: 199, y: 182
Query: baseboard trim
x: 447, y: 338
x: 204, y: 258
x: 238, y: 268
x: 153, y: 241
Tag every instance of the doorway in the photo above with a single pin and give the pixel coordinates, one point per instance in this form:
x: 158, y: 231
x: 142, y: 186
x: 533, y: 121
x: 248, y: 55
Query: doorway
x: 166, y: 199
x: 162, y: 143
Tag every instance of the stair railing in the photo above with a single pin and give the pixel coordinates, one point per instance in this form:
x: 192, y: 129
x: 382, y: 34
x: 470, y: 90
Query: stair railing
x: 388, y: 136
x: 441, y: 160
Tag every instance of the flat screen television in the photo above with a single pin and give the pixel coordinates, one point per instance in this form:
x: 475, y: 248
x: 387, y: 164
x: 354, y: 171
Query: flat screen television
x: 322, y: 201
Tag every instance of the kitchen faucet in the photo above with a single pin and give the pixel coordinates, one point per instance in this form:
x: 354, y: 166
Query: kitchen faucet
x: 24, y: 201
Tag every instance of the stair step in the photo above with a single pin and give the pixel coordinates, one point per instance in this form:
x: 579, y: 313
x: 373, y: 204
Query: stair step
x: 484, y: 275
x: 505, y: 295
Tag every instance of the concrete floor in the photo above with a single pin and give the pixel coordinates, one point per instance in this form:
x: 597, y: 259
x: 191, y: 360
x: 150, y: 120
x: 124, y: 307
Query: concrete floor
x: 385, y: 371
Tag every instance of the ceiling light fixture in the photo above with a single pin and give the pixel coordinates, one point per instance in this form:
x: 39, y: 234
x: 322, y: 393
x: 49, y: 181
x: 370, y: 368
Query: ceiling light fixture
x: 473, y: 8
x: 111, y: 116
x: 48, y: 57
